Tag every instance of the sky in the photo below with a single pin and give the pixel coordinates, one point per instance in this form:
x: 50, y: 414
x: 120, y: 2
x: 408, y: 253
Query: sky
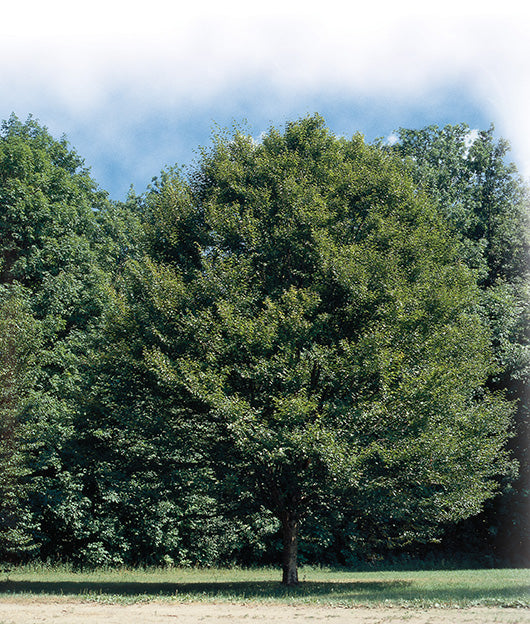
x: 136, y: 87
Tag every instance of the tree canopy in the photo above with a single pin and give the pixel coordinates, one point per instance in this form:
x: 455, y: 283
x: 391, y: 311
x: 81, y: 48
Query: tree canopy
x: 334, y: 336
x: 304, y: 336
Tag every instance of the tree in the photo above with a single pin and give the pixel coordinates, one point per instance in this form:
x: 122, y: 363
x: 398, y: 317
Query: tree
x: 19, y: 341
x: 482, y: 196
x: 487, y: 206
x: 333, y: 337
x: 49, y: 252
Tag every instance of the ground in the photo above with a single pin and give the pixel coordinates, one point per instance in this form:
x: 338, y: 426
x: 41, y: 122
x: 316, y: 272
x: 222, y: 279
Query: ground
x: 36, y: 611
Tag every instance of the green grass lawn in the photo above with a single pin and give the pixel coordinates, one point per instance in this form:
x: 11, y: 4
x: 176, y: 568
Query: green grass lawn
x: 504, y: 587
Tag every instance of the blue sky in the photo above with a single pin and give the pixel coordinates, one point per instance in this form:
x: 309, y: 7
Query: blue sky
x: 136, y: 87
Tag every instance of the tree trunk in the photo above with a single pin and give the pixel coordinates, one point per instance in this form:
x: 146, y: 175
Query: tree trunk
x: 290, y: 525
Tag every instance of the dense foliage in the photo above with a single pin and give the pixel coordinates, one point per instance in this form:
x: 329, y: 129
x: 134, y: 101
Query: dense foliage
x: 488, y: 209
x: 52, y: 297
x: 305, y: 339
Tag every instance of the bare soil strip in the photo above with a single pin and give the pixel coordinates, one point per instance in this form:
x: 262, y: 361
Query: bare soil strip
x: 64, y: 612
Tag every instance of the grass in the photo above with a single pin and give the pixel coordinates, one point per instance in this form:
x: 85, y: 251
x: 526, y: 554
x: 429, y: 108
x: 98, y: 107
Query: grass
x: 319, y: 586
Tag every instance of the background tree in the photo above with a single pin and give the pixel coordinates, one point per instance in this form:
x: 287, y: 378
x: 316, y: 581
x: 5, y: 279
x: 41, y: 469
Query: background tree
x: 487, y: 206
x: 334, y: 338
x: 49, y: 261
x: 19, y: 341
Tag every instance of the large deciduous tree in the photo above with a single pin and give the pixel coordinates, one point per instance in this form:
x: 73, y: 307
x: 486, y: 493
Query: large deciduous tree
x: 332, y: 336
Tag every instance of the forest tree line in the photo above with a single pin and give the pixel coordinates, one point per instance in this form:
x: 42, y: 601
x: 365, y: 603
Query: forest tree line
x: 306, y: 349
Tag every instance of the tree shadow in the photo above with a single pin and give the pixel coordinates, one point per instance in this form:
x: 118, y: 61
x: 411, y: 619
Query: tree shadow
x: 350, y: 591
x: 238, y: 589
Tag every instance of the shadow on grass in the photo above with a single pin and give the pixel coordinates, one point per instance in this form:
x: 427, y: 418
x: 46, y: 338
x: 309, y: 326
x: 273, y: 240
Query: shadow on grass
x: 243, y: 589
x: 355, y: 592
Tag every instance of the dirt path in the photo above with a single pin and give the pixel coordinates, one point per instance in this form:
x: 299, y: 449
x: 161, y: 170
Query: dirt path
x: 64, y: 612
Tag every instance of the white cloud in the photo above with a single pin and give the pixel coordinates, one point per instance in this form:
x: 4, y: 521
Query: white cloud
x: 166, y: 54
